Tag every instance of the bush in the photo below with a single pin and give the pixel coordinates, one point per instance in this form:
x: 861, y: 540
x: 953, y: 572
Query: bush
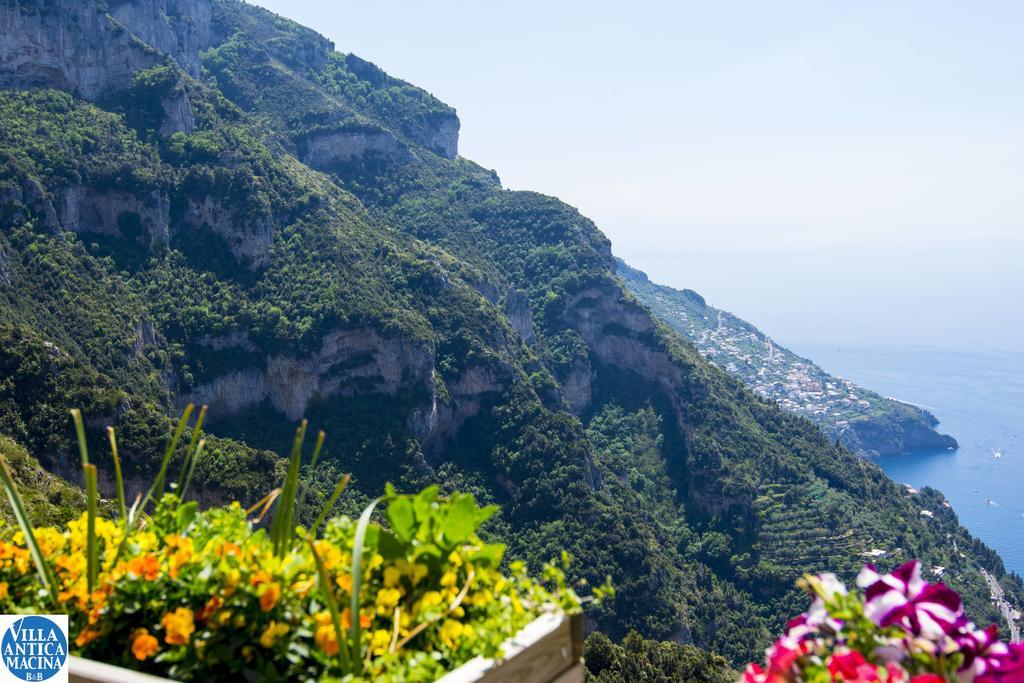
x: 217, y: 595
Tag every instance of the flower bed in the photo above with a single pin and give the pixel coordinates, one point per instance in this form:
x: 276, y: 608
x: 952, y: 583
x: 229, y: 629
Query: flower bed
x: 904, y: 630
x: 211, y: 595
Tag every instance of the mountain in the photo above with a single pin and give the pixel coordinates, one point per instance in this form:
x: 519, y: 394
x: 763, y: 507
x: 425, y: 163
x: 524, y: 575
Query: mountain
x: 203, y: 201
x: 863, y: 421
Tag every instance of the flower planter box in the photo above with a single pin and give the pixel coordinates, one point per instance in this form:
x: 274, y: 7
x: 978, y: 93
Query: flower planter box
x: 548, y: 650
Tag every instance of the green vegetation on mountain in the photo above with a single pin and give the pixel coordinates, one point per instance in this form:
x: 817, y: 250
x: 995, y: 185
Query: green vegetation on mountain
x: 863, y: 421
x: 254, y: 221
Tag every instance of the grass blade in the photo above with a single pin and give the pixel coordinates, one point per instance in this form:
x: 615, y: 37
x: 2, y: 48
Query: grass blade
x: 312, y: 464
x: 332, y: 606
x: 118, y: 479
x: 83, y: 449
x: 357, y: 574
x: 91, y: 549
x: 264, y: 503
x: 158, y: 485
x: 197, y: 430
x: 192, y: 465
x: 342, y: 483
x: 281, y: 528
x: 43, y: 568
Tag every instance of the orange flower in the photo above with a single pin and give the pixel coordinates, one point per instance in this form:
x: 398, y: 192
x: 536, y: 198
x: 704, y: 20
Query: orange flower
x: 327, y: 639
x: 3, y: 590
x: 228, y: 548
x: 144, y: 566
x: 144, y: 645
x: 259, y: 577
x: 346, y: 620
x: 211, y: 606
x: 268, y: 598
x: 178, y: 625
x: 86, y: 636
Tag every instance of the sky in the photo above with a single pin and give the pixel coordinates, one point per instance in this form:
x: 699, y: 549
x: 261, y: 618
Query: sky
x: 830, y: 171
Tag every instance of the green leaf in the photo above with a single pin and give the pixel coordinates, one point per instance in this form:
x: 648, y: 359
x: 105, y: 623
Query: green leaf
x: 423, y: 501
x: 358, y: 545
x: 389, y: 546
x: 43, y: 568
x: 342, y: 483
x: 91, y: 548
x: 118, y: 479
x: 185, y: 515
x: 461, y: 519
x: 402, y: 517
x: 489, y: 556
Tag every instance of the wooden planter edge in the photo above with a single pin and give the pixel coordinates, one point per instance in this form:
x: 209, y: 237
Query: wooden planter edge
x: 547, y: 650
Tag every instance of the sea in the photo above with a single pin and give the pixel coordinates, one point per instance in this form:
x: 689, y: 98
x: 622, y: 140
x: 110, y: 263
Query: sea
x: 978, y: 397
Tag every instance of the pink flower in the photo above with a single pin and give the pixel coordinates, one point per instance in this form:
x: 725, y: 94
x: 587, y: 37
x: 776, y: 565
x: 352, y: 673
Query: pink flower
x: 783, y: 662
x: 927, y: 678
x: 754, y: 674
x: 903, y: 598
x: 851, y: 667
x: 894, y: 673
x: 991, y: 660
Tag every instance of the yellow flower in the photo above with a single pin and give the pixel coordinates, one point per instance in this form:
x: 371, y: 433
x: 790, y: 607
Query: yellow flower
x: 144, y: 645
x: 387, y: 598
x: 271, y: 633
x: 49, y: 539
x: 344, y: 582
x: 3, y: 590
x: 326, y: 639
x: 455, y: 558
x: 449, y: 579
x: 269, y: 595
x: 302, y: 587
x: 392, y: 576
x: 450, y: 632
x: 429, y: 600
x: 418, y: 573
x: 380, y: 641
x: 482, y: 598
x: 178, y: 626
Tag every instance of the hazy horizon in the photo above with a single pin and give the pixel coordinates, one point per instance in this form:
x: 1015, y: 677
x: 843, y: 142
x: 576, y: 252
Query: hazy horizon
x: 829, y: 173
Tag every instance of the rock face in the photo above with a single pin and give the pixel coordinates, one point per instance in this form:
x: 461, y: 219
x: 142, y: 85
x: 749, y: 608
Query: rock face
x: 621, y: 335
x: 466, y: 396
x: 440, y: 133
x: 907, y: 431
x: 178, y: 116
x: 349, y: 362
x: 144, y: 219
x: 361, y: 143
x: 5, y: 276
x: 177, y: 28
x: 70, y: 46
x: 520, y: 314
x: 249, y: 241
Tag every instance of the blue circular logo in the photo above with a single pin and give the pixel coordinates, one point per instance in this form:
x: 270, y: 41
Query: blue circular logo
x: 34, y: 648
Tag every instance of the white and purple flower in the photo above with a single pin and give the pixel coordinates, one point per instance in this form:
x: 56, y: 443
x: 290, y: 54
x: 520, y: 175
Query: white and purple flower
x: 904, y: 599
